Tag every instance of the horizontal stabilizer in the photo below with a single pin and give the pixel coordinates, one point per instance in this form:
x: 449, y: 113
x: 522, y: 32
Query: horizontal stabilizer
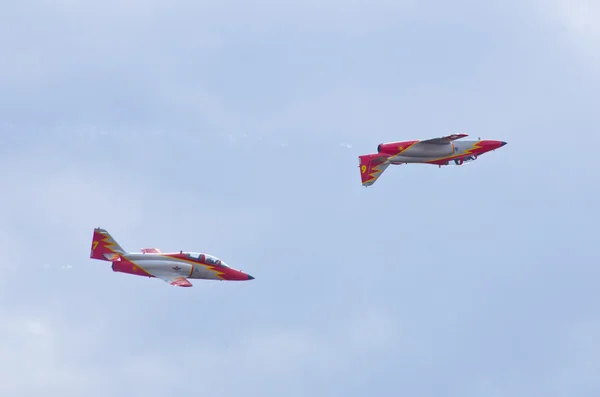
x: 151, y: 251
x: 112, y: 257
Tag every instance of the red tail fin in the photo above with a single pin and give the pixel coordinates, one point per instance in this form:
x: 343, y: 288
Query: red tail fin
x: 104, y: 247
x: 371, y: 167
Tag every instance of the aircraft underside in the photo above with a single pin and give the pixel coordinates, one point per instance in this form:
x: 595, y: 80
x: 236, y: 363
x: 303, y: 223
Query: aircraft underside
x: 436, y: 151
x: 456, y: 159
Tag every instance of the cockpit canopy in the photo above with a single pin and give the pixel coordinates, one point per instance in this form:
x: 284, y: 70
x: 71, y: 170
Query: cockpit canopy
x: 206, y: 258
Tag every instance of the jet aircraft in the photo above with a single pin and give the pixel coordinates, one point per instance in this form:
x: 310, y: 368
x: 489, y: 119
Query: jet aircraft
x: 438, y: 151
x: 174, y: 268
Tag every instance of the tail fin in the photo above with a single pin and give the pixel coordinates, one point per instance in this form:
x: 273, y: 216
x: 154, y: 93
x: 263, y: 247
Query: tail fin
x: 371, y: 167
x: 104, y: 247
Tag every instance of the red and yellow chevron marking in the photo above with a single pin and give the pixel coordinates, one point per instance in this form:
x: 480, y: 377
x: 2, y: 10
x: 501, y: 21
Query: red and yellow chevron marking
x: 105, y: 240
x: 375, y: 172
x: 102, y: 245
x: 371, y: 167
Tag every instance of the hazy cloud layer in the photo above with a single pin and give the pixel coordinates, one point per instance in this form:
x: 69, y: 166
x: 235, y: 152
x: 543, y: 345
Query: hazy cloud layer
x: 234, y: 128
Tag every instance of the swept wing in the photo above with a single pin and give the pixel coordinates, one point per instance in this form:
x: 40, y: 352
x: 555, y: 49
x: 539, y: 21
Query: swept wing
x: 170, y: 277
x: 443, y: 140
x: 173, y: 278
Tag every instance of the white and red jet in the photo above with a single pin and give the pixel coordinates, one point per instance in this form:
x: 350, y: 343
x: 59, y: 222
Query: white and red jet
x: 439, y: 151
x: 174, y: 268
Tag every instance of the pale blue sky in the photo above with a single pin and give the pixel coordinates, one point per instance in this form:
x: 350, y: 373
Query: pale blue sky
x: 234, y: 128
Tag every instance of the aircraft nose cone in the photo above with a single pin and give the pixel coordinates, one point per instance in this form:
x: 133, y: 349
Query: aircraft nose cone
x: 502, y: 143
x: 250, y: 277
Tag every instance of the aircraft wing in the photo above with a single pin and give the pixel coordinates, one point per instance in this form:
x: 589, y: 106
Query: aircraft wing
x: 172, y: 278
x: 151, y: 251
x: 175, y: 279
x: 444, y: 140
x: 179, y: 281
